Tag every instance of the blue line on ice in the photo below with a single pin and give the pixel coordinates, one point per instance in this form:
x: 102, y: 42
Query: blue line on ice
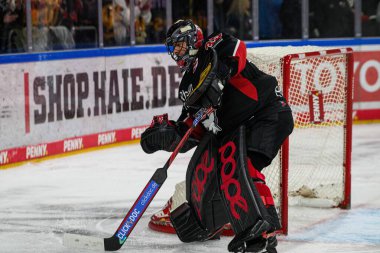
x: 361, y: 226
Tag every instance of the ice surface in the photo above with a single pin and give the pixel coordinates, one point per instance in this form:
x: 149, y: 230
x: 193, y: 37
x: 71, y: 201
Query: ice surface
x: 91, y: 192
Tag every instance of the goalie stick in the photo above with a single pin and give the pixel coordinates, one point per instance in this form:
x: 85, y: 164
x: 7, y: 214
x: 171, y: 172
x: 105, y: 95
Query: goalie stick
x: 116, y: 241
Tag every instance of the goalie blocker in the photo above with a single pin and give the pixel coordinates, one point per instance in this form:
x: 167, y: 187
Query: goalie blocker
x: 165, y: 134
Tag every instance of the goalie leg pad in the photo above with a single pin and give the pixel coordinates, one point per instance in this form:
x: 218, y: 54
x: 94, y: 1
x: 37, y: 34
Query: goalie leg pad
x: 187, y: 226
x: 247, y: 196
x: 240, y: 196
x: 202, y: 190
x: 252, y: 240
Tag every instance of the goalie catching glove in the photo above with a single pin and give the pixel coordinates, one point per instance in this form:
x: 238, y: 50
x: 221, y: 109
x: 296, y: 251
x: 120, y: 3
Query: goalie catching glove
x: 165, y: 134
x: 209, y: 77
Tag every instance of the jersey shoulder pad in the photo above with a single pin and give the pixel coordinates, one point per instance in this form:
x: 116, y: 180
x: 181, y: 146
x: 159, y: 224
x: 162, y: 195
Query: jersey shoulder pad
x: 223, y: 43
x: 213, y: 40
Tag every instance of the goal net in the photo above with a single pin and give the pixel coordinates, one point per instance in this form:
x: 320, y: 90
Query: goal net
x: 313, y: 166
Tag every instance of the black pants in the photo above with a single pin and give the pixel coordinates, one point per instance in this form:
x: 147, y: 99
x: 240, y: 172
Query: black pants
x: 265, y: 136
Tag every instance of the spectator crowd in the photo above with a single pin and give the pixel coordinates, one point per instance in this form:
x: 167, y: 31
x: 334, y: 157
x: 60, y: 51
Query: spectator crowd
x: 69, y: 24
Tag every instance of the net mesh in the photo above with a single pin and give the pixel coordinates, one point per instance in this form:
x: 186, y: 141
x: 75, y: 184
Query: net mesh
x: 317, y: 96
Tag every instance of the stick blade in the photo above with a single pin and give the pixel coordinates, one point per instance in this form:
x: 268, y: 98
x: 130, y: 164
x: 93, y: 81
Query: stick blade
x: 76, y: 241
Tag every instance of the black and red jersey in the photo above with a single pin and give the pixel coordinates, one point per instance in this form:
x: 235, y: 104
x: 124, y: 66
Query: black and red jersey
x: 248, y: 92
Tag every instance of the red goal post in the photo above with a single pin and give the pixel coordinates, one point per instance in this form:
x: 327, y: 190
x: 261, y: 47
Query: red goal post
x: 313, y: 167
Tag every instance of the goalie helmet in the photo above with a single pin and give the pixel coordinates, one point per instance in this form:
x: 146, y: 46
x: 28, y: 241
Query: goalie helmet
x: 184, y: 31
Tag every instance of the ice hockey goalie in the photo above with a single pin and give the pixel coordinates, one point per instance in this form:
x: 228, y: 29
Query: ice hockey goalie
x: 224, y: 190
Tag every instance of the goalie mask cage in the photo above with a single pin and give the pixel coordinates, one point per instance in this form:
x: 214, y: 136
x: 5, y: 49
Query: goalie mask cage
x: 314, y: 163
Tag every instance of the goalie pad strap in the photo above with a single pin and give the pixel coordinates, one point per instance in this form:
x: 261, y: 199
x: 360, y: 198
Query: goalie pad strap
x: 259, y: 181
x: 254, y: 173
x: 265, y: 194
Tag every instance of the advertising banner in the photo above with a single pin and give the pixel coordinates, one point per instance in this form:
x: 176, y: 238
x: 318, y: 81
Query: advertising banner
x: 53, y: 100
x: 56, y: 106
x: 367, y: 85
